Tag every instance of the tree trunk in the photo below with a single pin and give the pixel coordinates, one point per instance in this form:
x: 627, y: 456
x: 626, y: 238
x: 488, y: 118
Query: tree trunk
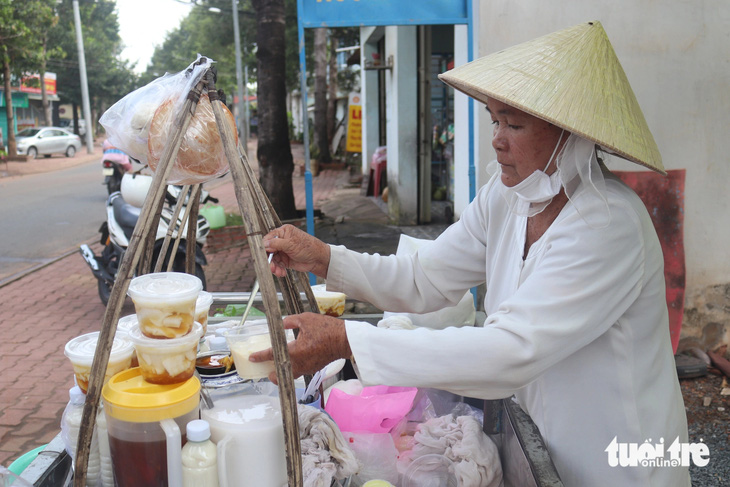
x: 276, y: 164
x: 12, y: 147
x: 320, y: 95
x: 332, y: 88
x: 44, y: 94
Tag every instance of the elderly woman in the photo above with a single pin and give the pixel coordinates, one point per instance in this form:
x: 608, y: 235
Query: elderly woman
x: 577, y: 326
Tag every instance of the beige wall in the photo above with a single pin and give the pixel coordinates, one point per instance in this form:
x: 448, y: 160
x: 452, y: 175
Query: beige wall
x: 676, y: 54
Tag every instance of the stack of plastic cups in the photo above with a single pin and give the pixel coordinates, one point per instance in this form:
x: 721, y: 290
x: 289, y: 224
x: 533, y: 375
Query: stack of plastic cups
x: 167, y: 336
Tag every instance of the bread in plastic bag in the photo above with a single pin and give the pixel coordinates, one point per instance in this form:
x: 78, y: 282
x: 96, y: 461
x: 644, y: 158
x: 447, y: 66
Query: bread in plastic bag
x: 142, y: 123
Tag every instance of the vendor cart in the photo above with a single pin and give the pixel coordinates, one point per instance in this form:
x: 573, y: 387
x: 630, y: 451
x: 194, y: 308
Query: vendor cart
x: 524, y: 457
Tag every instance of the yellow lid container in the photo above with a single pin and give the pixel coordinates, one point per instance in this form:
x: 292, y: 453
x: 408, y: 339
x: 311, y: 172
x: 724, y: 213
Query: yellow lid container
x: 128, y: 397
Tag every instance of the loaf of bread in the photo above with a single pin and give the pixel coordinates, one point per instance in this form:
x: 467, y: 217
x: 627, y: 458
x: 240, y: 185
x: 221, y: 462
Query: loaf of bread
x: 201, y: 156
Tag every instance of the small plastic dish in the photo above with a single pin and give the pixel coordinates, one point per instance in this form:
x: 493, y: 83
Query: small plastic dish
x: 169, y: 361
x: 215, y: 364
x: 431, y: 470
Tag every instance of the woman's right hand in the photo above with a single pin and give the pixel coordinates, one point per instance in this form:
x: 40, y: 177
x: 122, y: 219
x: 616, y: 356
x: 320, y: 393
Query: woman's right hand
x: 297, y: 250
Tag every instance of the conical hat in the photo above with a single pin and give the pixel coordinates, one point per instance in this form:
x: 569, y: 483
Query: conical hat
x: 572, y: 79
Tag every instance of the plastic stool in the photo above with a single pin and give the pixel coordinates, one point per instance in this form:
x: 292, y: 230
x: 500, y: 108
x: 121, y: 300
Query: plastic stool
x: 377, y: 170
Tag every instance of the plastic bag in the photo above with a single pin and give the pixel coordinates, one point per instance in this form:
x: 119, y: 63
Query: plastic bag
x: 377, y: 409
x: 377, y: 455
x: 463, y: 314
x: 142, y: 123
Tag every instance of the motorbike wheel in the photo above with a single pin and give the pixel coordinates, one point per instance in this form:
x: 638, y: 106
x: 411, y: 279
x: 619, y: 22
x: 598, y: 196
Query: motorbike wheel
x: 105, y: 290
x: 114, y: 183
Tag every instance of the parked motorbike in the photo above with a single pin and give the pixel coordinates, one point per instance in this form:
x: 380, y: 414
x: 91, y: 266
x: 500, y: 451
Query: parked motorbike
x: 115, y: 164
x: 122, y: 216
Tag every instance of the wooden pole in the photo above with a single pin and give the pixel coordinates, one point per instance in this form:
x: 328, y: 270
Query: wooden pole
x: 171, y: 227
x: 192, y: 237
x: 249, y: 211
x: 145, y: 224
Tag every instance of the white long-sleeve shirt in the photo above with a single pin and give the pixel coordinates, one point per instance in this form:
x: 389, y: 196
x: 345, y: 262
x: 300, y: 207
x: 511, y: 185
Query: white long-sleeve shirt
x: 577, y: 331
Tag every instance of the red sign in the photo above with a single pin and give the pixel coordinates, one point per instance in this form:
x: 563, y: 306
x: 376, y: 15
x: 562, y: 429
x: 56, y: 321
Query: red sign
x: 32, y: 83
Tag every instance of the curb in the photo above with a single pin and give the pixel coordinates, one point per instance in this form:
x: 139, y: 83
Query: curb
x: 19, y: 275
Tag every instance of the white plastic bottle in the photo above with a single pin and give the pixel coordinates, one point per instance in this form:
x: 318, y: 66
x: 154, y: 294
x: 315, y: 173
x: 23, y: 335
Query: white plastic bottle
x: 199, y: 456
x: 70, y: 426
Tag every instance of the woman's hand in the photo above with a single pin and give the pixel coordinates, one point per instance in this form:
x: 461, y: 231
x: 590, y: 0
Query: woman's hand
x: 322, y: 339
x: 295, y: 249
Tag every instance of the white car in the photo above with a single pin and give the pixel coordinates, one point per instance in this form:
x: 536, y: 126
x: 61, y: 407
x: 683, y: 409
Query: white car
x: 46, y: 141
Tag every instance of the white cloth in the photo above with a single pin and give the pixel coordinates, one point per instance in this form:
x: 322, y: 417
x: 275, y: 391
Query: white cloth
x: 461, y: 440
x: 578, y: 331
x: 325, y: 454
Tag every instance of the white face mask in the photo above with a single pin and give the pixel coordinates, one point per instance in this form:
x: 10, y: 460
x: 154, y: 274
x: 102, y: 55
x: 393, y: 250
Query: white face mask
x: 538, y: 187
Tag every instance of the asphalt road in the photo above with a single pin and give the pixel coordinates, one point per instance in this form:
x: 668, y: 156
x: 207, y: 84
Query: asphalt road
x: 44, y: 216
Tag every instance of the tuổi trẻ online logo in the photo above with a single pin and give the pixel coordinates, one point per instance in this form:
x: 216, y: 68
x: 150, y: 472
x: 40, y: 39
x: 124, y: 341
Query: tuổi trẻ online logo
x: 648, y: 454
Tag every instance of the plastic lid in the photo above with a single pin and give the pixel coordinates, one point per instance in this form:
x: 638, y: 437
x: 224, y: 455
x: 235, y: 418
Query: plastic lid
x: 198, y: 430
x: 205, y: 299
x: 138, y: 339
x: 126, y: 323
x: 81, y: 349
x: 165, y: 285
x: 128, y: 397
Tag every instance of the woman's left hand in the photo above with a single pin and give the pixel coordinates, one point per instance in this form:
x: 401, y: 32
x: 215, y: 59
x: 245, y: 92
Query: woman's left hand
x: 322, y: 339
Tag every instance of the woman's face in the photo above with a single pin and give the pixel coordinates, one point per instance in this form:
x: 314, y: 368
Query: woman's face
x: 523, y: 143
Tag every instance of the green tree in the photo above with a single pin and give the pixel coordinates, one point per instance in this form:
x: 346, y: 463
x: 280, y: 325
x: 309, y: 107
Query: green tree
x: 21, y: 49
x: 109, y: 78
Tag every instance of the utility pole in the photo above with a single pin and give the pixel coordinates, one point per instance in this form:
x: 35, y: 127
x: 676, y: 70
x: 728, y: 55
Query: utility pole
x: 84, y: 83
x: 242, y: 126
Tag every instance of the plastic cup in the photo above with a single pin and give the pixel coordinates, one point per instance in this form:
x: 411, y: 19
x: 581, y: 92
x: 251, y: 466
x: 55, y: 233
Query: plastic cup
x: 165, y: 303
x: 202, y: 308
x: 247, y: 339
x: 170, y: 361
x: 124, y: 325
x: 329, y: 303
x: 80, y: 351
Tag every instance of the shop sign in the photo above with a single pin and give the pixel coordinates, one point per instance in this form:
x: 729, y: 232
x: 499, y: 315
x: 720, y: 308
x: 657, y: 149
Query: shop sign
x: 353, y: 143
x: 32, y: 83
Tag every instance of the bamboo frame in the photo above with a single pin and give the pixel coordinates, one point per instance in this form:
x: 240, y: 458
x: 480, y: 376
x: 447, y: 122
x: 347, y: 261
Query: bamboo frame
x: 259, y: 218
x: 147, y: 222
x: 253, y: 219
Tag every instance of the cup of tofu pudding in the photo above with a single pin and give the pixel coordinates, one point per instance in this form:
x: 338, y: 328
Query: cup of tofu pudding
x: 170, y: 361
x: 80, y: 351
x: 202, y: 308
x: 165, y: 303
x: 250, y: 338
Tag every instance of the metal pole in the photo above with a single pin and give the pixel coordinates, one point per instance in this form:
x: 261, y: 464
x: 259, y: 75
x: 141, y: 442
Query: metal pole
x: 247, y: 120
x: 242, y: 133
x: 84, y: 83
x: 309, y: 198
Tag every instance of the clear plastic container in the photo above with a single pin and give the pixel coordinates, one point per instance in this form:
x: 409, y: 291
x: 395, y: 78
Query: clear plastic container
x: 329, y: 302
x: 431, y: 470
x: 80, y: 351
x: 166, y: 361
x: 165, y: 303
x: 202, y: 308
x: 146, y: 427
x: 250, y: 338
